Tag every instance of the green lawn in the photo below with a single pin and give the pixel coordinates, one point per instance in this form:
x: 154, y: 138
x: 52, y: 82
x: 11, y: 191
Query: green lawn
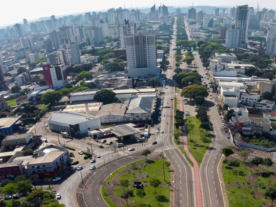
x: 150, y: 195
x: 9, y: 202
x: 11, y: 102
x: 154, y: 169
x: 196, y: 146
x: 239, y: 196
x: 41, y: 106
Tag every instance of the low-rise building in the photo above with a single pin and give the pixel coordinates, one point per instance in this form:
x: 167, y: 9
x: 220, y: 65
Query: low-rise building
x: 226, y: 57
x: 264, y: 105
x: 250, y: 99
x: 7, y: 124
x: 240, y: 112
x: 112, y: 113
x: 12, y: 141
x: 46, y: 162
x: 73, y: 123
x: 252, y: 126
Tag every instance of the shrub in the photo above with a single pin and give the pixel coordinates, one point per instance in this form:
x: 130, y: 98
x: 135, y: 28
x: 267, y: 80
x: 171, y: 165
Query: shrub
x: 71, y: 154
x: 234, y: 163
x: 87, y: 156
x: 70, y: 148
x: 225, y: 161
x: 228, y: 167
x: 161, y: 198
x: 75, y: 163
x: 241, y: 173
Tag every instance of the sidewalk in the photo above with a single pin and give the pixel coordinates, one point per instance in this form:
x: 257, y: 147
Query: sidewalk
x: 198, y: 192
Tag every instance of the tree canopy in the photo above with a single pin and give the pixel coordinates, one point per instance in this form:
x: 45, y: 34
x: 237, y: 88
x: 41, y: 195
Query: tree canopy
x: 51, y: 97
x: 192, y: 91
x: 227, y: 151
x: 15, y: 89
x: 105, y: 96
x: 84, y: 75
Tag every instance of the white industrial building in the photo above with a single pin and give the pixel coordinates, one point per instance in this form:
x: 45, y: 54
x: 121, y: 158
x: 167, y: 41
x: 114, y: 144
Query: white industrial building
x: 82, y: 96
x: 225, y: 57
x: 141, y: 55
x: 112, y: 113
x: 239, y: 112
x: 250, y: 99
x: 73, y: 123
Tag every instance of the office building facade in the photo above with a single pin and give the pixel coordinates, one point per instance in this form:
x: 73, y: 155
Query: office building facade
x: 241, y: 22
x: 124, y: 30
x: 233, y: 38
x: 55, y: 75
x: 271, y: 42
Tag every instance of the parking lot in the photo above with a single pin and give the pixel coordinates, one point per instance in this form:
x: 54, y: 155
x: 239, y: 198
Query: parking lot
x: 189, y: 106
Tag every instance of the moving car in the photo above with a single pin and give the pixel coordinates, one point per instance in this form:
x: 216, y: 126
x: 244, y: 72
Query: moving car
x: 58, y: 196
x: 93, y: 167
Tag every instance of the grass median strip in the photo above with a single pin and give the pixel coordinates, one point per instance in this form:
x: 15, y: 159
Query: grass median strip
x: 186, y: 156
x: 196, y: 145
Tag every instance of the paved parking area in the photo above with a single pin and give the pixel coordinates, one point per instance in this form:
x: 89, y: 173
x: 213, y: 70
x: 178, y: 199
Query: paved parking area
x: 190, y: 107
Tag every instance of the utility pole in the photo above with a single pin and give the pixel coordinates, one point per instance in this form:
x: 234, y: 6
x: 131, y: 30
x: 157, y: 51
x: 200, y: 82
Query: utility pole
x: 81, y: 177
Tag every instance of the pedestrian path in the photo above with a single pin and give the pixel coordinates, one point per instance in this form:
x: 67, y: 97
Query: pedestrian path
x: 198, y: 191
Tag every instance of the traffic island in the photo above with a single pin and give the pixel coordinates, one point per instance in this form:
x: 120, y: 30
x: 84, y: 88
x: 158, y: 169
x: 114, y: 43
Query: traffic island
x: 143, y: 182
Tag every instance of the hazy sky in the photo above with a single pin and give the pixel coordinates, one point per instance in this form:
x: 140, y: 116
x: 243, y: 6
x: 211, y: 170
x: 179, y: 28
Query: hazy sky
x: 13, y: 11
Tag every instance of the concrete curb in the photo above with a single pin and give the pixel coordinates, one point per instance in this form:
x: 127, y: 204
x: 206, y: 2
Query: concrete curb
x: 222, y: 184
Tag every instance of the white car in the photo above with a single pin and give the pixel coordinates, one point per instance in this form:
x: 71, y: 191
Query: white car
x: 92, y: 160
x: 46, y: 125
x: 93, y: 167
x: 157, y: 130
x: 58, y: 196
x: 56, y: 179
x: 88, y: 143
x: 79, y: 168
x: 131, y: 149
x: 98, y: 156
x: 80, y: 152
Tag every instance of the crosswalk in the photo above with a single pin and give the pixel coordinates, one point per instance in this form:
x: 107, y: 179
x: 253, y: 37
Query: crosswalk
x: 164, y: 149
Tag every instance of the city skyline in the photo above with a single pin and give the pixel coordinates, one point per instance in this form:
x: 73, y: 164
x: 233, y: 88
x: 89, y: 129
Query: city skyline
x: 9, y: 18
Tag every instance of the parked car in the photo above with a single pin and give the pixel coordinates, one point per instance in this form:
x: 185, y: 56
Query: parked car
x: 104, y: 141
x: 101, y: 146
x: 88, y: 143
x: 154, y: 142
x: 56, y: 179
x: 92, y: 160
x: 110, y: 143
x: 157, y: 130
x: 98, y: 156
x: 16, y: 196
x: 93, y: 167
x: 79, y: 168
x: 80, y: 152
x: 8, y: 197
x: 58, y: 196
x: 131, y: 149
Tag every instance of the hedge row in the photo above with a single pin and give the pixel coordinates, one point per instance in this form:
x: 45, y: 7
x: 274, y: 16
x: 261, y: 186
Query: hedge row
x: 75, y: 163
x: 70, y: 148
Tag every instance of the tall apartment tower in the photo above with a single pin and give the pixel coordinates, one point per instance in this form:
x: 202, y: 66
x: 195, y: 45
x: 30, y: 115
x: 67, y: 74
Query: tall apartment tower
x: 18, y: 30
x: 233, y: 12
x: 55, y: 75
x: 200, y: 16
x: 271, y: 42
x: 55, y: 38
x: 241, y: 21
x: 233, y: 38
x: 2, y: 79
x: 66, y: 33
x: 27, y: 42
x: 192, y: 13
x: 124, y: 30
x: 141, y: 55
x: 217, y: 11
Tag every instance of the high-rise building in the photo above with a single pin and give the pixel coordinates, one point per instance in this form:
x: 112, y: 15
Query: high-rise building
x: 222, y: 32
x: 105, y: 29
x: 233, y: 12
x: 251, y: 11
x: 48, y: 45
x: 217, y: 11
x: 55, y: 38
x: 163, y: 10
x: 66, y: 33
x: 124, y: 30
x: 271, y: 42
x: 223, y: 12
x: 53, y: 21
x: 268, y: 15
x: 2, y: 78
x: 208, y: 22
x: 254, y: 22
x: 192, y: 13
x: 141, y: 55
x: 55, y: 75
x: 233, y: 38
x: 33, y: 57
x: 200, y: 16
x: 97, y: 34
x: 27, y: 42
x: 18, y: 30
x: 241, y: 21
x: 56, y: 57
x: 72, y: 53
x: 178, y: 11
x: 111, y: 16
x: 26, y: 25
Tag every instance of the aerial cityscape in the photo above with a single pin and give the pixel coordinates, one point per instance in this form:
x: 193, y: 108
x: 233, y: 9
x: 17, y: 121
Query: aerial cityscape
x: 137, y: 106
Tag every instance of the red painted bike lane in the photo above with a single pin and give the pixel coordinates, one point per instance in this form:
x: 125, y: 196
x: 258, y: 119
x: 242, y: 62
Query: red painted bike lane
x: 198, y: 192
